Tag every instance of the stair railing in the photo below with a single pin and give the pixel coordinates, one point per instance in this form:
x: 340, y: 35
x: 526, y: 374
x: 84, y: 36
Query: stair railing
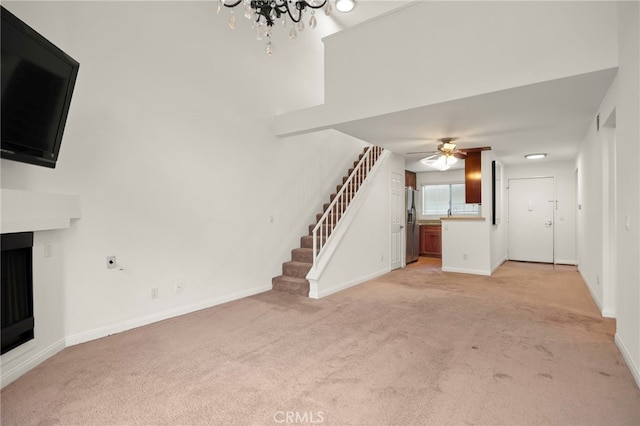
x: 329, y: 220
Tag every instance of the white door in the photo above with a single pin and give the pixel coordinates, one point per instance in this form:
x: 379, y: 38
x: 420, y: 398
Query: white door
x: 397, y: 218
x: 531, y: 219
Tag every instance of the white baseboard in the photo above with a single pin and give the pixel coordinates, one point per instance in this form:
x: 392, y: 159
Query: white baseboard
x: 467, y: 271
x: 596, y: 300
x: 635, y: 371
x: 159, y: 316
x: 30, y: 362
x: 566, y: 262
x: 499, y: 264
x: 343, y: 286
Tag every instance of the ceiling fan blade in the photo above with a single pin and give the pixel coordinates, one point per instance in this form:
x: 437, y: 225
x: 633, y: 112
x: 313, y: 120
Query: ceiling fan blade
x: 460, y: 155
x: 420, y: 152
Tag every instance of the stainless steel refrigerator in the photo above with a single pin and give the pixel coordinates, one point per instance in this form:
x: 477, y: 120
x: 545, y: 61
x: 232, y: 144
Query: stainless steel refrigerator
x: 413, y: 229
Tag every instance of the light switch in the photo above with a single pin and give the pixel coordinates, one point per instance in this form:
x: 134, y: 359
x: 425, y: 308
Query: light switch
x: 48, y: 249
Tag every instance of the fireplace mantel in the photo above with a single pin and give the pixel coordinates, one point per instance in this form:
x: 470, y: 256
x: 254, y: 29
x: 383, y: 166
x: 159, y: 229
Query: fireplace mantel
x: 24, y: 211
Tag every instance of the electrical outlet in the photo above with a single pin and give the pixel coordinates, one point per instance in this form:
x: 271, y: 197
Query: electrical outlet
x: 464, y: 256
x: 154, y: 293
x: 111, y: 262
x: 179, y: 287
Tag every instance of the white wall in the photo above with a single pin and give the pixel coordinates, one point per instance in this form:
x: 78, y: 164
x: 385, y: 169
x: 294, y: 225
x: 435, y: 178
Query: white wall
x: 497, y: 233
x: 602, y: 230
x: 475, y: 47
x: 466, y: 246
x: 538, y: 41
x: 169, y: 147
x: 628, y: 176
x: 592, y: 212
x: 354, y: 262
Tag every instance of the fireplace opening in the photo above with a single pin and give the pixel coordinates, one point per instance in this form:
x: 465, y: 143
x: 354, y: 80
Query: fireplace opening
x: 17, y: 290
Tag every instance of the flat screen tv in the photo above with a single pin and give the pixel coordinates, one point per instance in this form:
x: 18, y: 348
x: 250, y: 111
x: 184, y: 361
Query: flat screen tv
x: 37, y: 83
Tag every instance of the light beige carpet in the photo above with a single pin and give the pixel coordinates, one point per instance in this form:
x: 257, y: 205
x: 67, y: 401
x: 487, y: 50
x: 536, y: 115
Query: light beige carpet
x: 416, y: 346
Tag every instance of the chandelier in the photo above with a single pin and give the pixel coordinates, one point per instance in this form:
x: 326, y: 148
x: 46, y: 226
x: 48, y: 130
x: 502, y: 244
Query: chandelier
x: 265, y: 13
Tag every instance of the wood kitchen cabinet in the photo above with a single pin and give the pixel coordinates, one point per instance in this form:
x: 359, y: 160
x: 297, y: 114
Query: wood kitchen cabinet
x: 431, y: 240
x: 410, y: 179
x: 473, y: 177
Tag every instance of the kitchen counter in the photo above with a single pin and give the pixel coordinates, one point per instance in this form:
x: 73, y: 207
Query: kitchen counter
x: 435, y: 222
x: 475, y: 218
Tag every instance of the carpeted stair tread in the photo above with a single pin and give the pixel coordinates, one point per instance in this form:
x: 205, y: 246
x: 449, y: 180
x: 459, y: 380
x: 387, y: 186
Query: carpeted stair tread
x: 291, y: 285
x: 331, y: 216
x: 324, y: 229
x: 342, y: 206
x: 296, y: 269
x: 302, y: 255
x: 306, y: 241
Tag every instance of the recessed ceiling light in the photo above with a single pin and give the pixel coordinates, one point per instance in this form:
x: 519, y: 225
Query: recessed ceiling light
x: 535, y: 156
x: 345, y: 6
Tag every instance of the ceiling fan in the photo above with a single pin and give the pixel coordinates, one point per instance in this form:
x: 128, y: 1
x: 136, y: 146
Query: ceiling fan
x: 445, y: 155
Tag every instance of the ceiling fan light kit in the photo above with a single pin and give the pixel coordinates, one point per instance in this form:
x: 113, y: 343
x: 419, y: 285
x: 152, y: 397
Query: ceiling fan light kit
x: 436, y: 164
x: 447, y: 160
x: 445, y: 156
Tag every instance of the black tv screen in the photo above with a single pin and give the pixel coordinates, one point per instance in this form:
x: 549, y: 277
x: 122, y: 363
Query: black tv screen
x: 37, y: 83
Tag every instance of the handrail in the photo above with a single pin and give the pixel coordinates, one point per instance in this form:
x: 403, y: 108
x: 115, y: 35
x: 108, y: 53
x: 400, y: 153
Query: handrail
x: 330, y: 218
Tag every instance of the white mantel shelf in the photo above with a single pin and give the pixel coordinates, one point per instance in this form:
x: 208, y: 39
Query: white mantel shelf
x: 27, y: 211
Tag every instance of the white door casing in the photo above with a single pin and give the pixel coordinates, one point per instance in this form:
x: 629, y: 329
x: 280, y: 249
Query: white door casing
x: 531, y: 219
x: 397, y: 218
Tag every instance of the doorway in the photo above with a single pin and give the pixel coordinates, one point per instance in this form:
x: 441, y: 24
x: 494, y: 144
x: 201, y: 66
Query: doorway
x: 531, y: 219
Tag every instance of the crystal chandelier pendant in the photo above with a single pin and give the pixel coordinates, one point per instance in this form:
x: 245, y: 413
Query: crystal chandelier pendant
x: 264, y: 14
x: 248, y: 12
x: 232, y: 20
x: 328, y: 10
x: 313, y: 22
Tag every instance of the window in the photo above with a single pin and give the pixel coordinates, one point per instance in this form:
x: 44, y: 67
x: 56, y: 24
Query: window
x: 440, y: 200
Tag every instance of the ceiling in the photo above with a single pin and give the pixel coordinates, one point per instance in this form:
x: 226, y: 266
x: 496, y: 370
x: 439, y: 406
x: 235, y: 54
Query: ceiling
x: 551, y: 117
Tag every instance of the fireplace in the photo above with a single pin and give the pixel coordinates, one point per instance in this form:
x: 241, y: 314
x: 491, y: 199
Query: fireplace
x: 17, y: 290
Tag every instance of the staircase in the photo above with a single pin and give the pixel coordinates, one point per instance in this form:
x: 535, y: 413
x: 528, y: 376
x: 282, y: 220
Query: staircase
x: 294, y: 272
